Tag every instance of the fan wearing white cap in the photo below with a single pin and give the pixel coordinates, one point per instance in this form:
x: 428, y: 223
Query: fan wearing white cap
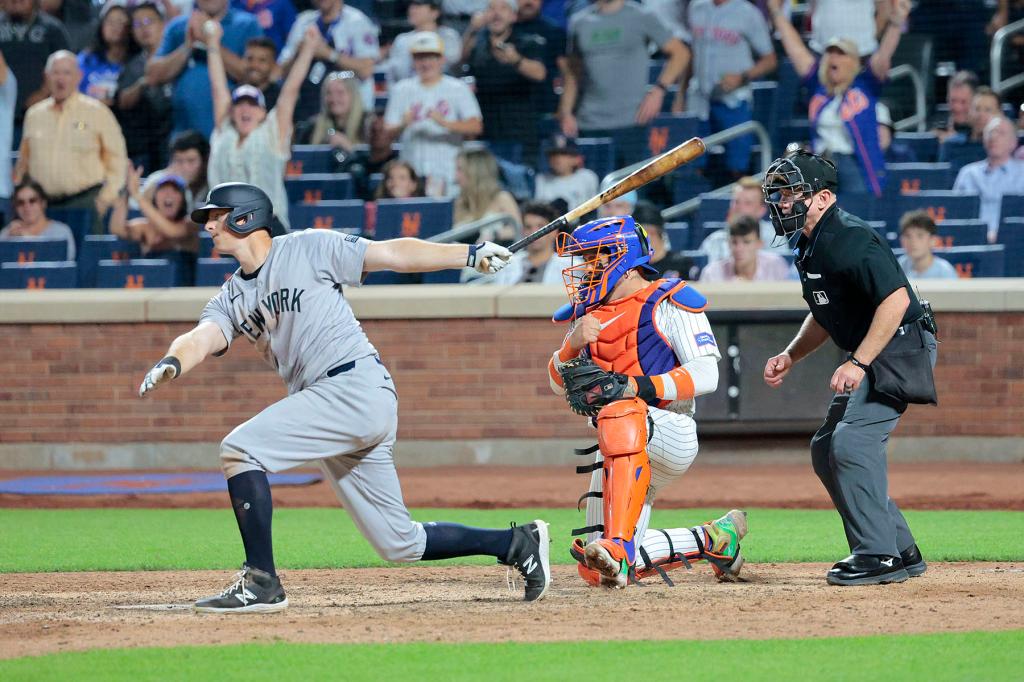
x: 248, y: 143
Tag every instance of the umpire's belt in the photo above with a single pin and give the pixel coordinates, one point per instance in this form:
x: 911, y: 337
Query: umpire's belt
x: 909, y: 327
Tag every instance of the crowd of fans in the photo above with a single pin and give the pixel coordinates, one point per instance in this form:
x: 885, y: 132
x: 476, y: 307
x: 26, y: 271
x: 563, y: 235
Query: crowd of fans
x: 132, y: 109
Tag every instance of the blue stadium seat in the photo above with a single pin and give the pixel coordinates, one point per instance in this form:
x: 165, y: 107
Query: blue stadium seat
x: 206, y: 244
x: 504, y: 149
x: 687, y: 185
x: 677, y: 235
x: 787, y: 96
x: 668, y: 130
x: 1012, y: 206
x: 442, y: 277
x: 924, y: 145
x: 1011, y: 235
x: 765, y: 110
x: 213, y: 272
x: 97, y: 247
x: 940, y: 205
x: 860, y: 205
x: 374, y: 180
x: 705, y: 230
x: 138, y: 273
x: 910, y: 178
x: 315, y: 187
x: 713, y: 208
x: 976, y: 261
x: 39, y: 275
x: 412, y: 217
x: 80, y: 220
x: 959, y: 154
x: 310, y: 158
x: 598, y: 154
x: 961, y: 233
x: 348, y: 216
x: 32, y: 250
x: 700, y: 261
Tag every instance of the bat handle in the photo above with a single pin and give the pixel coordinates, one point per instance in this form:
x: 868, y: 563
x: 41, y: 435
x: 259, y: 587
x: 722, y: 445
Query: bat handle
x: 554, y: 225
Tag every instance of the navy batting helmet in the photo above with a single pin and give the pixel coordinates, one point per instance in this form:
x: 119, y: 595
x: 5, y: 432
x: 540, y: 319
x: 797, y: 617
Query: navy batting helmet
x: 251, y: 209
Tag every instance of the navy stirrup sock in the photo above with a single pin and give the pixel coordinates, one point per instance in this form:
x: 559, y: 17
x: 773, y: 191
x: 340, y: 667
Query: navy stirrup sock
x: 250, y: 498
x: 447, y: 540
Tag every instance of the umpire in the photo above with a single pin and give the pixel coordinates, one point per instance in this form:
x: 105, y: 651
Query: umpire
x: 859, y: 297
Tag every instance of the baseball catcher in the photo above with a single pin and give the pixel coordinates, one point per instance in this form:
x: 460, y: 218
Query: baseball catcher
x: 636, y: 355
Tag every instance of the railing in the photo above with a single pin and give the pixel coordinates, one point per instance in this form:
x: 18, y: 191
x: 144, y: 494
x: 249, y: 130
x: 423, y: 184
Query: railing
x: 996, y: 58
x: 920, y: 117
x: 471, y: 229
x: 720, y: 137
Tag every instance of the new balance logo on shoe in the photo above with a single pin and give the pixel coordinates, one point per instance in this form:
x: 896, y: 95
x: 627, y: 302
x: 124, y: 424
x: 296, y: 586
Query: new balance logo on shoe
x: 530, y: 565
x: 245, y: 596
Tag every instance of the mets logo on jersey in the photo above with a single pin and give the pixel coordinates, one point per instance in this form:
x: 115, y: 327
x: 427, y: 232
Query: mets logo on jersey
x: 820, y: 298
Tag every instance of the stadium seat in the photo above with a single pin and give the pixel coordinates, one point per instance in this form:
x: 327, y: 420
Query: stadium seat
x: 910, y: 178
x: 137, y: 273
x: 504, y: 149
x: 958, y: 155
x: 924, y: 145
x: 1011, y: 235
x: 713, y: 208
x: 310, y: 158
x: 315, y: 187
x: 687, y: 185
x: 976, y: 261
x: 206, y: 249
x: 213, y: 272
x: 33, y: 250
x: 1012, y: 206
x: 940, y: 205
x: 80, y: 220
x: 39, y: 275
x: 348, y: 216
x: 700, y: 261
x: 765, y: 110
x: 598, y: 154
x: 442, y: 277
x: 97, y: 247
x: 668, y: 130
x: 677, y: 235
x: 412, y: 217
x: 705, y: 230
x: 961, y: 233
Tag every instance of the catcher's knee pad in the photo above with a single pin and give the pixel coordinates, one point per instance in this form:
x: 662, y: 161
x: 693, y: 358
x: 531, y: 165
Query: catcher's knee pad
x: 622, y: 438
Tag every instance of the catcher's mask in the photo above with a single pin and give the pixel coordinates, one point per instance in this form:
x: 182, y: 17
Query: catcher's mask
x: 251, y: 209
x: 602, y: 252
x: 789, y: 182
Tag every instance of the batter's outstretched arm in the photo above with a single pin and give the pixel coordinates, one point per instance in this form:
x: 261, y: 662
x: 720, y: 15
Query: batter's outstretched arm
x: 417, y: 255
x: 184, y: 353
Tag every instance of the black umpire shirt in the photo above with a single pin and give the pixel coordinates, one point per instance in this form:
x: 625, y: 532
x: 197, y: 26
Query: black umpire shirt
x: 846, y: 271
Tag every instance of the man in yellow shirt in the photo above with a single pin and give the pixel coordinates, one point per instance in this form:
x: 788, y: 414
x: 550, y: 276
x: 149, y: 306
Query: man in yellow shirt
x: 72, y: 144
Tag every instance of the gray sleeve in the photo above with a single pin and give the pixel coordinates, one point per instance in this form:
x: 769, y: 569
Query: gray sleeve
x: 339, y: 257
x: 218, y: 311
x: 757, y: 32
x: 652, y: 27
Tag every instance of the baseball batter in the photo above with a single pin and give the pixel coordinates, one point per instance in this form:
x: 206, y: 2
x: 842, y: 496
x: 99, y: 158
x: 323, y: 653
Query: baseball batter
x: 637, y: 355
x: 342, y: 406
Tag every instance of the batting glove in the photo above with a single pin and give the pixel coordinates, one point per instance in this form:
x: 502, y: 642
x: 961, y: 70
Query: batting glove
x: 162, y: 372
x: 488, y: 257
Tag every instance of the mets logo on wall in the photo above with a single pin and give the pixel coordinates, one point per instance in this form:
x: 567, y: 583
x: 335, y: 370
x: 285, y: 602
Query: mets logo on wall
x: 820, y: 298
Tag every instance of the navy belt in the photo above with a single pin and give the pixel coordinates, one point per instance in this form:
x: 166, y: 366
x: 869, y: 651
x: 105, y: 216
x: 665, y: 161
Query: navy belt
x: 341, y: 369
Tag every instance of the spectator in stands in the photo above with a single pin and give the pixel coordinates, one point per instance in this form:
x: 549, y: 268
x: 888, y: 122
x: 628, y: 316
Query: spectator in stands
x: 379, y: 139
x: 164, y: 225
x: 31, y: 221
x: 8, y: 102
x: 481, y: 195
x: 747, y: 260
x: 605, y: 91
x: 747, y: 200
x: 340, y: 121
x: 551, y: 38
x: 997, y: 175
x: 963, y: 148
x: 566, y: 178
x: 507, y: 67
x: 190, y: 154
x: 113, y: 46
x: 667, y: 262
x: 423, y: 15
x: 78, y: 18
x: 726, y: 37
x: 144, y: 110
x: 917, y: 233
x: 72, y: 144
x: 959, y: 94
x: 895, y: 152
x: 400, y: 181
x: 842, y: 108
x: 623, y: 205
x: 260, y: 59
x: 432, y: 113
x: 275, y: 17
x: 27, y: 38
x: 859, y: 20
x: 181, y: 59
x: 249, y: 144
x: 350, y: 43
x: 539, y: 262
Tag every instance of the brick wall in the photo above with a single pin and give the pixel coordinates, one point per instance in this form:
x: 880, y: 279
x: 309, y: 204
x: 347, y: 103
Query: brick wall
x: 458, y: 378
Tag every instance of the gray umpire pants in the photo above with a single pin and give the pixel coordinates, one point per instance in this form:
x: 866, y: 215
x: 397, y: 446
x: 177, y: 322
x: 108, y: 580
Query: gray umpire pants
x: 848, y: 454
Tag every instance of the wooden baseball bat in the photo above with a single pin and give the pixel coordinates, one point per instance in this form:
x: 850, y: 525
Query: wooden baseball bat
x: 667, y: 162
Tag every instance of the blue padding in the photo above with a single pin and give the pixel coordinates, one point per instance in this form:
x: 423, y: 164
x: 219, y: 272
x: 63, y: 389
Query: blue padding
x: 412, y: 218
x: 135, y: 484
x: 688, y: 297
x: 55, y: 275
x: 32, y: 250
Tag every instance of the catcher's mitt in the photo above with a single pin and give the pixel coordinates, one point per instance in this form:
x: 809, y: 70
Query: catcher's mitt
x: 588, y: 388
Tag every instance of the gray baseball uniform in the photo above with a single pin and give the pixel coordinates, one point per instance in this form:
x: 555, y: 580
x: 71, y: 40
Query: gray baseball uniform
x: 342, y: 407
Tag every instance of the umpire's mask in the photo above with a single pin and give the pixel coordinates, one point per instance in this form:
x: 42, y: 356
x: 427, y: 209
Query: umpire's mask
x: 789, y: 182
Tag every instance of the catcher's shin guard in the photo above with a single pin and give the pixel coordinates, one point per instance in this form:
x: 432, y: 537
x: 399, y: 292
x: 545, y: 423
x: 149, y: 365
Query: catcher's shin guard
x: 622, y: 438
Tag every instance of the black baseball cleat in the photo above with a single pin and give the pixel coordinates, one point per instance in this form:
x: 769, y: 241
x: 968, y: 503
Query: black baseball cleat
x: 867, y: 569
x: 528, y: 554
x: 254, y: 591
x: 913, y: 561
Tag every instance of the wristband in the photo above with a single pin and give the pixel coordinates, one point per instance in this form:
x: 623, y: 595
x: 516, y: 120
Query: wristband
x: 661, y: 87
x: 173, y: 362
x: 744, y: 78
x: 471, y: 256
x: 645, y: 388
x: 857, y: 363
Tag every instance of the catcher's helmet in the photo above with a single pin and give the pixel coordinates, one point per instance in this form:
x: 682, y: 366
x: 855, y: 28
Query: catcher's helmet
x: 588, y: 280
x: 251, y: 209
x: 790, y: 181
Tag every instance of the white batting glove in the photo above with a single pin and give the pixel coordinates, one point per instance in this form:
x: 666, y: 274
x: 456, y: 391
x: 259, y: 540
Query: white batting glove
x: 162, y: 372
x: 488, y: 257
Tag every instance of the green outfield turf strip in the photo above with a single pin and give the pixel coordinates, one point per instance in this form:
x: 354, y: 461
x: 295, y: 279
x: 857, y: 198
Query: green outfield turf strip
x: 937, y: 658
x: 152, y: 539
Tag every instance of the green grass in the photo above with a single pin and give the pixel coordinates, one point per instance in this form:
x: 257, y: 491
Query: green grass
x: 937, y: 658
x: 152, y: 539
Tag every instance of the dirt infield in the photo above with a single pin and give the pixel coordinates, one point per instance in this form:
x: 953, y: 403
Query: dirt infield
x: 940, y: 485
x: 44, y: 613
